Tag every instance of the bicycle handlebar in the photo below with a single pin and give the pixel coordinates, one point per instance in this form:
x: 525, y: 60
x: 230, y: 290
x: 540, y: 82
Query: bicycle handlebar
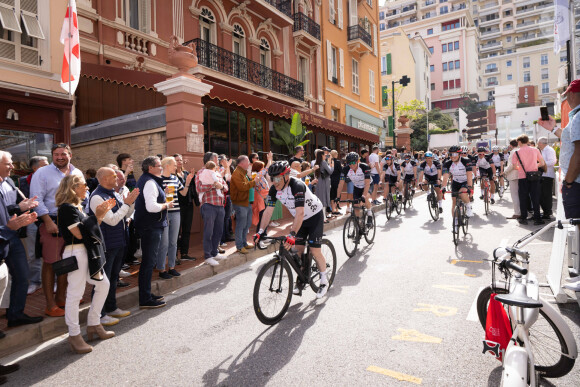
x: 511, y: 265
x: 521, y: 253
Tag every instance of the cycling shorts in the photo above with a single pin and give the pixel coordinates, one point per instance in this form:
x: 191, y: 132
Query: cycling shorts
x: 486, y: 172
x: 431, y: 179
x: 409, y: 177
x: 391, y: 180
x: 311, y: 230
x: 357, y: 193
x: 455, y: 186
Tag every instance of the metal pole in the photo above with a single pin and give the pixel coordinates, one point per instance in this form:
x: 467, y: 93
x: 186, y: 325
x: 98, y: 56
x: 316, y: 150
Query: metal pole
x: 69, y: 46
x: 394, y: 134
x: 427, y: 128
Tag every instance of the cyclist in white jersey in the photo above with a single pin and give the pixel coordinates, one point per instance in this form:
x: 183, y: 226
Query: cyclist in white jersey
x: 306, y: 209
x: 431, y: 170
x: 486, y: 167
x: 392, y: 174
x: 498, y: 161
x: 360, y: 176
x: 462, y: 183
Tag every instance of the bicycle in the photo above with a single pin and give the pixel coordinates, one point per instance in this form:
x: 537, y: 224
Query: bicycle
x: 486, y: 193
x: 273, y: 289
x: 498, y: 188
x: 432, y: 202
x: 408, y: 194
x: 460, y: 218
x: 355, y: 227
x: 537, y: 327
x: 394, y: 202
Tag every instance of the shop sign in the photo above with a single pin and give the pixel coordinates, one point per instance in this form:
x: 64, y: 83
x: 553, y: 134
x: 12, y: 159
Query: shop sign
x: 367, y: 127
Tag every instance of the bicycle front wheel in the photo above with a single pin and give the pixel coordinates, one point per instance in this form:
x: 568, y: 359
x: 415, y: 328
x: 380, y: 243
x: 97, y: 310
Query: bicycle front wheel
x: 273, y: 291
x: 329, y: 254
x: 371, y: 229
x: 547, y: 341
x: 456, y: 224
x: 464, y: 220
x: 486, y: 200
x: 350, y: 237
x: 399, y: 205
x: 433, y: 206
x: 389, y: 207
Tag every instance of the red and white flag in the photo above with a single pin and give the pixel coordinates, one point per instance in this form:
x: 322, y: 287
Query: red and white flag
x: 71, y: 63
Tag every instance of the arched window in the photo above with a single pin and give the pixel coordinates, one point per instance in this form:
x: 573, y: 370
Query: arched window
x: 239, y: 41
x: 265, y: 54
x: 207, y: 25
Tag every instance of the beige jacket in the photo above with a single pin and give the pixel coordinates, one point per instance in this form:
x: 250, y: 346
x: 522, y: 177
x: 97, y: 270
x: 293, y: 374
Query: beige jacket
x: 511, y: 173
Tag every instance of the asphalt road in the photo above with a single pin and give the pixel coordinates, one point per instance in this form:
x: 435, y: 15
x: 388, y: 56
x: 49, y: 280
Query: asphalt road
x: 398, y: 309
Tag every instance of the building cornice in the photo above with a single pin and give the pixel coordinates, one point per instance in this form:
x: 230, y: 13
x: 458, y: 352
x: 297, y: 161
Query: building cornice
x: 353, y: 101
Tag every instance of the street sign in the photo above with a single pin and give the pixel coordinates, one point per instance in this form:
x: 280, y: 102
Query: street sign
x: 474, y: 137
x: 476, y: 115
x: 477, y: 130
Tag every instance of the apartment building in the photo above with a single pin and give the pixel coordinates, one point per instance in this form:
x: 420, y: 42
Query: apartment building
x: 351, y: 81
x: 34, y: 109
x: 450, y: 33
x: 517, y: 48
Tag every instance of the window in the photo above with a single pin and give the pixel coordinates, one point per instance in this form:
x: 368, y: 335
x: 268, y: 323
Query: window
x: 431, y: 68
x: 370, y: 3
x: 264, y: 53
x: 383, y: 65
x: 509, y: 77
x: 449, y: 46
x: 545, y: 74
x: 372, y: 86
x: 452, y: 84
x: 445, y: 85
x: 430, y: 31
x: 448, y: 104
x: 382, y: 27
x: 431, y: 50
x: 563, y: 56
x: 526, y: 62
x: 444, y: 66
x: 444, y: 48
x: 545, y: 87
x: 508, y: 63
x: 304, y: 74
x: 335, y: 114
x: 456, y: 45
x: 20, y: 32
x: 457, y: 83
x: 526, y: 76
x: 456, y: 64
x: 508, y: 12
x: 450, y: 25
x: 354, y: 76
x: 443, y: 10
x: 432, y: 86
x: 544, y: 60
x: 381, y: 15
x: 238, y: 43
x: 508, y: 39
x: 450, y: 65
x: 207, y: 26
x: 138, y: 15
x: 334, y: 65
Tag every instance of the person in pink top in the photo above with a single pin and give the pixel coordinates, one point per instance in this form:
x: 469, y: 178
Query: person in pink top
x: 528, y: 159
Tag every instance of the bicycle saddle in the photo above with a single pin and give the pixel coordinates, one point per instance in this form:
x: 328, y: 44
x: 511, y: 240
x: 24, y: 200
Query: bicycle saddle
x: 519, y: 298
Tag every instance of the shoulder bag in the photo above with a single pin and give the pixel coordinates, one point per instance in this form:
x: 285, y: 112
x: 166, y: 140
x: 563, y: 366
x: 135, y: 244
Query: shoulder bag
x: 531, y: 176
x: 66, y: 265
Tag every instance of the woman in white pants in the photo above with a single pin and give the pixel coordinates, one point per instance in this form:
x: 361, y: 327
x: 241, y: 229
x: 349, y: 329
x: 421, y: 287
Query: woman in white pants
x: 71, y: 192
x: 511, y: 174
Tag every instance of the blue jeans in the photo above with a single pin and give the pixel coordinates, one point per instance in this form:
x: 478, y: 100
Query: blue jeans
x: 150, y: 241
x: 34, y: 264
x: 213, y: 227
x: 113, y: 264
x: 243, y: 222
x: 18, y: 269
x: 168, y: 247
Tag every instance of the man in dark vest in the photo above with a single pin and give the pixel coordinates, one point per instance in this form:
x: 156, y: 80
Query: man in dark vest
x: 113, y: 230
x: 150, y: 219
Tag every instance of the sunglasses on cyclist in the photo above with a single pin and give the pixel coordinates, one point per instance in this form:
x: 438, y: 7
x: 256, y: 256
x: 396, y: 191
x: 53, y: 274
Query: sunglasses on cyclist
x: 352, y: 163
x: 277, y: 179
x: 454, y: 154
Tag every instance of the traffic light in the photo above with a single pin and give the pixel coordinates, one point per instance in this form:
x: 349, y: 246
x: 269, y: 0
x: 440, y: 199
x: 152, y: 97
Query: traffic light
x: 405, y: 80
x: 476, y: 124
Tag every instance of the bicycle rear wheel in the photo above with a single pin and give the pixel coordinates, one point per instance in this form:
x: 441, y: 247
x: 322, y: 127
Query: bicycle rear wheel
x: 464, y: 220
x: 399, y: 204
x: 350, y: 237
x: 389, y: 207
x: 433, y: 206
x: 498, y: 189
x: 486, y: 200
x: 329, y: 254
x: 372, y: 230
x: 456, y: 224
x: 547, y: 341
x: 273, y: 291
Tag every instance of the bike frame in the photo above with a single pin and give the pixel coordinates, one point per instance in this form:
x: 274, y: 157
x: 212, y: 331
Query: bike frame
x: 284, y: 254
x: 517, y: 359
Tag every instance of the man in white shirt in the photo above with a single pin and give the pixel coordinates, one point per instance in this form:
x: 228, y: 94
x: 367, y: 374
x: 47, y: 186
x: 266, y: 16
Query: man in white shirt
x: 547, y: 182
x: 374, y: 163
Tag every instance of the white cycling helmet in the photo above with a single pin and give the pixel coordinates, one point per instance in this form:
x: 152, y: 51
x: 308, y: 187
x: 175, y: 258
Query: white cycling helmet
x: 495, y: 148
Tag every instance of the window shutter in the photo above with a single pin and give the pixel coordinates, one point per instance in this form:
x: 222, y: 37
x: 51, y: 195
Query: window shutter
x: 331, y: 11
x: 341, y: 61
x: 145, y: 16
x: 329, y: 59
x: 372, y: 86
x: 385, y: 96
x: 8, y: 18
x: 352, y: 9
x: 375, y: 46
x: 389, y: 65
x: 339, y: 15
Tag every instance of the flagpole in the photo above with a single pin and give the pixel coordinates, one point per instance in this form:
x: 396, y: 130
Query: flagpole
x: 572, y: 42
x: 69, y: 47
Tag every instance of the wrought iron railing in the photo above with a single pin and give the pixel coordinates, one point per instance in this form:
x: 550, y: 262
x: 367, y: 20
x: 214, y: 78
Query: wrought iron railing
x: 303, y: 22
x: 358, y: 32
x: 226, y: 62
x: 284, y: 6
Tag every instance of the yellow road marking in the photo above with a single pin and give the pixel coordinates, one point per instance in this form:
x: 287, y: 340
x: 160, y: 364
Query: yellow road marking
x: 437, y: 310
x: 454, y: 261
x: 414, y: 335
x: 394, y: 374
x: 453, y: 288
x: 462, y: 274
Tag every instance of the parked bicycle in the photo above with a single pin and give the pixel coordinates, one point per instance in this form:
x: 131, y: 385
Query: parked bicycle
x: 394, y: 202
x: 541, y: 342
x: 274, y: 283
x: 356, y: 227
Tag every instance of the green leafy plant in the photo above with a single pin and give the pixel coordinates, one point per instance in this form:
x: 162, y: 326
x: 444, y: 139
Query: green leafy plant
x: 290, y: 135
x: 410, y: 109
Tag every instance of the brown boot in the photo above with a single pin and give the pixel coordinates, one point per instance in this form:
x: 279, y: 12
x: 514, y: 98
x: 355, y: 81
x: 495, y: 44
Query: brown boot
x: 78, y: 345
x: 98, y: 330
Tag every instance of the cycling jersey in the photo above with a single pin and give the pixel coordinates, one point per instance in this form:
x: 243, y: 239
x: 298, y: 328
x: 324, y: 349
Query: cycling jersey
x: 295, y: 195
x: 392, y: 170
x: 497, y: 159
x: 358, y: 177
x: 484, y: 162
x: 458, y: 169
x: 430, y: 170
x: 407, y: 167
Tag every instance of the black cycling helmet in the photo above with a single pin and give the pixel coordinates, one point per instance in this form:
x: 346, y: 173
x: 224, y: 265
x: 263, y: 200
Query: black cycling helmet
x: 481, y: 149
x: 278, y: 168
x: 352, y: 157
x: 454, y: 149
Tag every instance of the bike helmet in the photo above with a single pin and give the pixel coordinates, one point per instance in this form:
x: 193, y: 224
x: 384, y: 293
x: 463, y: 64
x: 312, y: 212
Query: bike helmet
x: 352, y: 157
x: 481, y: 149
x: 428, y: 154
x: 407, y: 155
x: 454, y: 149
x: 495, y: 148
x: 278, y: 168
x: 464, y: 149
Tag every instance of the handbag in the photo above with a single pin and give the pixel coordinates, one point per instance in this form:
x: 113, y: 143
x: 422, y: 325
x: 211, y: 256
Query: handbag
x: 66, y: 265
x: 498, y: 329
x: 531, y: 176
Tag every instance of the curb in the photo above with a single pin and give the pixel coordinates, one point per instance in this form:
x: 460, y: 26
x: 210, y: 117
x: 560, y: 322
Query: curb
x: 26, y: 336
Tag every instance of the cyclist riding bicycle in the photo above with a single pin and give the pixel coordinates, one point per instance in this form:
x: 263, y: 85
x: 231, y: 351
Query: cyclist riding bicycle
x: 409, y: 170
x: 462, y: 183
x: 306, y: 209
x: 360, y: 176
x: 486, y: 168
x: 392, y: 174
x: 431, y: 170
x: 498, y: 161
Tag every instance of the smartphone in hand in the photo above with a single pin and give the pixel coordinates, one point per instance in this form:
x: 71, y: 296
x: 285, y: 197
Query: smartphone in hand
x: 544, y: 113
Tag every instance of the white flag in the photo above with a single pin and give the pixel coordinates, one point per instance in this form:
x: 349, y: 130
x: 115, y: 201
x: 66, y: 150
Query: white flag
x: 561, y: 24
x: 69, y: 36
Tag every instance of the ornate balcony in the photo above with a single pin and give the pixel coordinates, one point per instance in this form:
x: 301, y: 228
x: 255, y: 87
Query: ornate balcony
x: 306, y: 29
x: 359, y: 40
x: 226, y: 62
x: 280, y: 11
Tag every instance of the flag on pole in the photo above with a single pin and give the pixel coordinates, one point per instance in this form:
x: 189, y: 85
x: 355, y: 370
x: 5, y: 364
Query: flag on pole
x: 561, y: 24
x: 71, y: 63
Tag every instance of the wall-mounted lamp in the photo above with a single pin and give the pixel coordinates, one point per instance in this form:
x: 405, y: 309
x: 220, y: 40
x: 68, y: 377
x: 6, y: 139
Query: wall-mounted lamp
x: 11, y: 114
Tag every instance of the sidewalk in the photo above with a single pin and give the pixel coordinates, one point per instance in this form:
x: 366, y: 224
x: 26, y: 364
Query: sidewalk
x: 26, y: 336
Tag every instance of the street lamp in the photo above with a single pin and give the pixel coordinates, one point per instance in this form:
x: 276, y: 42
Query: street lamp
x: 404, y: 81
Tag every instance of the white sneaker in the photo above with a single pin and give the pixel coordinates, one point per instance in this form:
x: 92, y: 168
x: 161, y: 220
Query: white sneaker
x: 223, y: 244
x: 274, y: 224
x: 296, y: 290
x: 124, y: 274
x: 322, y: 290
x: 220, y: 257
x: 108, y: 321
x: 575, y: 286
x: 32, y: 288
x: 119, y: 313
x: 572, y: 279
x: 212, y: 262
x: 262, y: 245
x: 469, y: 212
